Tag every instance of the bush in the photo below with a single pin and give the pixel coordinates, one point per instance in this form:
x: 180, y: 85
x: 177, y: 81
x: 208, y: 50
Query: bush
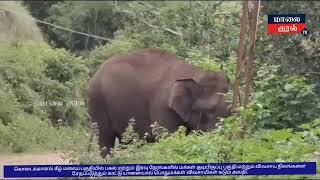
x: 198, y: 45
x: 36, y: 73
x: 8, y: 103
x: 288, y: 101
x: 184, y: 25
x: 28, y: 133
x: 31, y: 73
x: 223, y: 145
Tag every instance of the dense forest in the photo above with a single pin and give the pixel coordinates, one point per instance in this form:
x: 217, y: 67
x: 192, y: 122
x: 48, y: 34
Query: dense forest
x: 42, y: 62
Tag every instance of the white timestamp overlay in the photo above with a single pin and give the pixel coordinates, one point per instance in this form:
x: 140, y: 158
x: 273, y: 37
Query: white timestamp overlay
x: 60, y: 103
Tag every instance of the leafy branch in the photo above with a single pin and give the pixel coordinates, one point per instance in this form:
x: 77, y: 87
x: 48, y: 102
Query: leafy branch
x: 149, y: 24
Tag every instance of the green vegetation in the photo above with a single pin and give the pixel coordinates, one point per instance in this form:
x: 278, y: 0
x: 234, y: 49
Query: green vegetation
x: 33, y: 73
x: 14, y: 27
x: 237, y: 137
x: 282, y: 122
x: 92, y: 17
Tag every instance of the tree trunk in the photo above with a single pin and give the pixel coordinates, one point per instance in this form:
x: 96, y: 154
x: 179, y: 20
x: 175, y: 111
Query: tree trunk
x: 253, y: 18
x: 240, y: 60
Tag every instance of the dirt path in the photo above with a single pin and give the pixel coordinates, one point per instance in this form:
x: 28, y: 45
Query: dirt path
x: 30, y: 159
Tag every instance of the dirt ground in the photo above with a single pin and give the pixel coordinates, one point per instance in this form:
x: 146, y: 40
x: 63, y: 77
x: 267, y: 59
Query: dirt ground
x: 30, y: 159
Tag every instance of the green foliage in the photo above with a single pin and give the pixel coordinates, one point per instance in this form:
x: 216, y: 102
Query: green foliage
x: 282, y: 118
x: 223, y: 145
x: 16, y: 24
x: 64, y: 67
x: 36, y: 73
x: 277, y: 145
x: 31, y: 74
x: 288, y: 101
x: 8, y: 103
x: 130, y: 136
x: 184, y: 25
x: 39, y: 9
x: 295, y: 54
x: 286, y: 7
x: 28, y: 133
x: 92, y: 17
x: 67, y: 78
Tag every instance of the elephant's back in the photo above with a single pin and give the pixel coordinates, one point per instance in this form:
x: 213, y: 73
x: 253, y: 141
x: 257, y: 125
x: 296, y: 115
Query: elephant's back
x: 143, y: 67
x: 143, y: 70
x: 144, y: 59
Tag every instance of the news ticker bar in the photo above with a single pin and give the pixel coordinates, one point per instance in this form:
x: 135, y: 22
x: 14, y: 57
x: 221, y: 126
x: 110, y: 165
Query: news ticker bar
x: 199, y: 169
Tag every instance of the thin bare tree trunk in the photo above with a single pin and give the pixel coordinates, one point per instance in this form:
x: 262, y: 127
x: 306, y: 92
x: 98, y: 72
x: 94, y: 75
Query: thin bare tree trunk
x: 254, y: 17
x: 240, y: 60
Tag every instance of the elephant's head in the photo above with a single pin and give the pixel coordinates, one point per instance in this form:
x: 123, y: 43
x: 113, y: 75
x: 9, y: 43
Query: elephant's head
x: 199, y: 101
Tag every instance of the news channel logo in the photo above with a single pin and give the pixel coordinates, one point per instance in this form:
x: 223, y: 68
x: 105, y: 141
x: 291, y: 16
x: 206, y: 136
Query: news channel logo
x: 287, y: 24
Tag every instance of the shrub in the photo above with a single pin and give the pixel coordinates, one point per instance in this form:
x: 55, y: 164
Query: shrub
x: 288, y: 100
x: 28, y: 133
x: 222, y: 145
x: 31, y: 73
x: 8, y: 103
x: 183, y: 26
x: 36, y: 73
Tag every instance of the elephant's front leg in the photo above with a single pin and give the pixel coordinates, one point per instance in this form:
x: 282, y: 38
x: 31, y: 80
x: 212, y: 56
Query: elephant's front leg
x: 106, y: 140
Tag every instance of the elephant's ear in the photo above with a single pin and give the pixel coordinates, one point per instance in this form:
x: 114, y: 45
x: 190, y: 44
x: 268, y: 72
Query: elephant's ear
x: 183, y: 93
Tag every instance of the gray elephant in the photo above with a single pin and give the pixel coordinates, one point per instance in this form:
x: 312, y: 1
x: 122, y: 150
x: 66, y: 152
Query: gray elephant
x: 152, y: 85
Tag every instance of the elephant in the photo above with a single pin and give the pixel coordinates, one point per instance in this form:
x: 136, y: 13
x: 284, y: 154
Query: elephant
x: 153, y: 85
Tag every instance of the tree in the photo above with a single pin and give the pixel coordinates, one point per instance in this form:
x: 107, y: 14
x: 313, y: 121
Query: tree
x: 91, y: 17
x: 295, y: 54
x: 207, y: 26
x: 39, y: 10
